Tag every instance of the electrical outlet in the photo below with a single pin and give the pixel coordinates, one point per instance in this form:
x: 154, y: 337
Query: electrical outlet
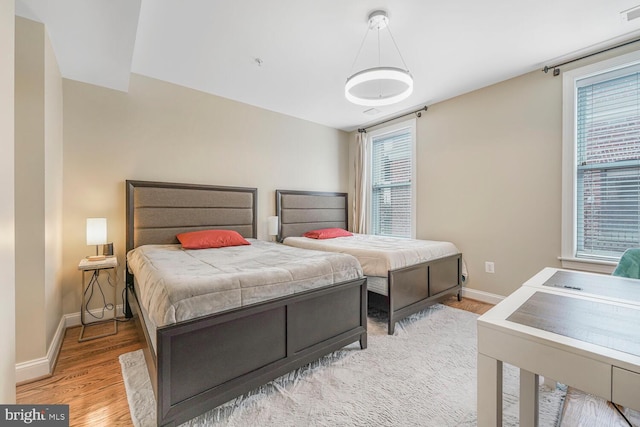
x: 489, y: 267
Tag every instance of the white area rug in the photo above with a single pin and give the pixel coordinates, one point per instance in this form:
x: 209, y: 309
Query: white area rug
x: 424, y: 375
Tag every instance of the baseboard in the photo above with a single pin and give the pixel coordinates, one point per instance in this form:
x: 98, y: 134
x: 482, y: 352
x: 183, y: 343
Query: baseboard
x: 42, y: 367
x: 73, y: 319
x: 482, y: 296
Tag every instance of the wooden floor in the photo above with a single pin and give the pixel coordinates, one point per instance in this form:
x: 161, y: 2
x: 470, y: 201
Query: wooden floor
x: 88, y: 378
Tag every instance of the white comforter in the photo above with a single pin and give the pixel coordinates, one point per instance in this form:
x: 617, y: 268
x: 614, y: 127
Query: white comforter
x: 379, y: 254
x: 176, y: 284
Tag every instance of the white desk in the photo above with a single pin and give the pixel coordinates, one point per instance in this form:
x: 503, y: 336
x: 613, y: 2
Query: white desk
x: 580, y: 329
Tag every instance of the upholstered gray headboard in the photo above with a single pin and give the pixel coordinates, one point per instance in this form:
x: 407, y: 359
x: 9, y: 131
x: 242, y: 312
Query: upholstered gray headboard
x: 157, y: 211
x: 301, y: 211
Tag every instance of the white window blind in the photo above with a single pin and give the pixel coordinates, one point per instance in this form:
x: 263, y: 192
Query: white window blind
x: 608, y: 163
x: 391, y: 189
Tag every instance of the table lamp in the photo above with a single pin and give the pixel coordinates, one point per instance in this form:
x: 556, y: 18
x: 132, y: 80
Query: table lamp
x: 96, y: 235
x: 272, y: 225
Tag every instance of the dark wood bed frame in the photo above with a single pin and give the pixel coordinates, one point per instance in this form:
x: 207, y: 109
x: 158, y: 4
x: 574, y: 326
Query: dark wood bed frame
x: 410, y: 289
x: 202, y: 363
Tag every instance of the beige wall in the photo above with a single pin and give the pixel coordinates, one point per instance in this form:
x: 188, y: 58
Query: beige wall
x: 489, y: 179
x: 489, y: 176
x: 53, y: 165
x: 7, y: 215
x: 38, y: 178
x: 163, y: 132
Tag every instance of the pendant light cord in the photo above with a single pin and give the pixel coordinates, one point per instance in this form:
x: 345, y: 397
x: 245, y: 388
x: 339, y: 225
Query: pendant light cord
x: 379, y: 50
x: 397, y: 49
x: 379, y: 63
x: 359, y: 50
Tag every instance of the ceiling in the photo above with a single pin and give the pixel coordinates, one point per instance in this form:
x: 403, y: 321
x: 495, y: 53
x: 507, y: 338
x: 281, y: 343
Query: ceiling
x: 307, y: 48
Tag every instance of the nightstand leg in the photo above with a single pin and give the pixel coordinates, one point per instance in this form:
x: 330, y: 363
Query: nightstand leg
x: 81, y: 338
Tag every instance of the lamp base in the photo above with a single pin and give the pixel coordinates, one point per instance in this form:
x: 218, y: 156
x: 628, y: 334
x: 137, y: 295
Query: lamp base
x: 96, y: 258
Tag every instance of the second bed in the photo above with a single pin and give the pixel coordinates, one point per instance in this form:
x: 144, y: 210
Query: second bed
x: 404, y: 275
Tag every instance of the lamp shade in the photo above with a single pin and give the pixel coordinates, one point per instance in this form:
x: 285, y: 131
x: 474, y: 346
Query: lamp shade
x: 272, y: 225
x: 96, y: 231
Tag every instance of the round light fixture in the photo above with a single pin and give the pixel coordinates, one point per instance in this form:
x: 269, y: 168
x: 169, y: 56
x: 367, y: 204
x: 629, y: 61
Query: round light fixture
x: 381, y: 85
x: 366, y: 87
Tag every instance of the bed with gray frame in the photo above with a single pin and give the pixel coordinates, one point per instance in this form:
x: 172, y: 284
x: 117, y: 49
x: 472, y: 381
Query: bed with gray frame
x: 409, y: 289
x: 199, y: 364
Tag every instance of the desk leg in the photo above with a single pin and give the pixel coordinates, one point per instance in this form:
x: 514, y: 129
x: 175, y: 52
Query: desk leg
x: 489, y: 391
x: 528, y: 398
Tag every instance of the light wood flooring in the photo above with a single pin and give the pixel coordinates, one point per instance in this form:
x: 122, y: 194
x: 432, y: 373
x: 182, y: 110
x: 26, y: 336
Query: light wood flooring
x: 87, y: 377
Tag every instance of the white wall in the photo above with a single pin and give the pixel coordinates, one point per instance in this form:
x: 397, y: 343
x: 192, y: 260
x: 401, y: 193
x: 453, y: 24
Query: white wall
x: 163, y: 132
x: 7, y: 216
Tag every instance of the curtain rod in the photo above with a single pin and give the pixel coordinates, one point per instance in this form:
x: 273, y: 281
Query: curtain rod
x: 556, y: 70
x: 418, y: 113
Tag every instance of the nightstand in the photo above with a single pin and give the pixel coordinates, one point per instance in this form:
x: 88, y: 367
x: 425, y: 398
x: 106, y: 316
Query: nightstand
x: 109, y: 266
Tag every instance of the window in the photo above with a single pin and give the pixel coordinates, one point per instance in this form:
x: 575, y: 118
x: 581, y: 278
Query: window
x: 392, y: 187
x: 601, y: 160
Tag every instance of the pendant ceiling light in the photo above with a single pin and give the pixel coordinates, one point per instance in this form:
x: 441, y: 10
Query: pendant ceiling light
x: 379, y: 85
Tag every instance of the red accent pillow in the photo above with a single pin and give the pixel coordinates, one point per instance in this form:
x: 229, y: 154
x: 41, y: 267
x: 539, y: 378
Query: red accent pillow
x: 327, y: 233
x: 211, y: 239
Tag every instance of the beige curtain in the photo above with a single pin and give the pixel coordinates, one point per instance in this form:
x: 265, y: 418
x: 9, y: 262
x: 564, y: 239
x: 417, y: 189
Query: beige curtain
x: 361, y: 178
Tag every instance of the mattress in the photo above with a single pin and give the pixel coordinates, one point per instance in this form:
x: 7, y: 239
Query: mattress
x: 379, y: 254
x: 175, y: 284
x: 379, y: 285
x: 148, y: 322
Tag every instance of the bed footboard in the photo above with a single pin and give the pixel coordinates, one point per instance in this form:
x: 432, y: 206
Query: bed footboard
x: 205, y: 362
x: 413, y: 288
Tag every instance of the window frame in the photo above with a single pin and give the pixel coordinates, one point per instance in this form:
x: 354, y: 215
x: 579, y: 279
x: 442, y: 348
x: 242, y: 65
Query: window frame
x: 406, y: 124
x: 568, y: 256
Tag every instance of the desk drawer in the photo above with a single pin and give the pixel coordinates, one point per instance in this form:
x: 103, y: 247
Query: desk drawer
x: 625, y: 388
